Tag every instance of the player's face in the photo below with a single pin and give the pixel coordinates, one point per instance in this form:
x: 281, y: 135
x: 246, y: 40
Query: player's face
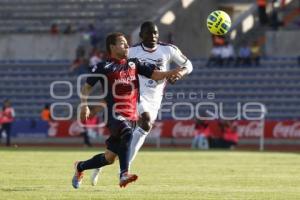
x: 120, y: 49
x: 150, y: 36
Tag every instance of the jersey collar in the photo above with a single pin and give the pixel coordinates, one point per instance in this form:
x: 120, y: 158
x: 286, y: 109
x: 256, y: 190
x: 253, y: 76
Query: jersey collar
x: 122, y: 61
x: 148, y: 49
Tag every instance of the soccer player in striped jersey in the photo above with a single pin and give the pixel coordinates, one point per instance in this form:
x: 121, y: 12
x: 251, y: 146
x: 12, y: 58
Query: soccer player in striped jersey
x: 151, y: 92
x: 121, y: 75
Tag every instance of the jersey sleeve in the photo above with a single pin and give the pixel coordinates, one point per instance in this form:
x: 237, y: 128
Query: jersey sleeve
x: 94, y: 70
x: 131, y: 52
x: 180, y: 59
x: 144, y: 68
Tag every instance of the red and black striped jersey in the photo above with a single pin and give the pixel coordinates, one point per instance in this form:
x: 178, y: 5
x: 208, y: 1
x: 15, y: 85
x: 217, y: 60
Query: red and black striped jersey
x: 121, y: 84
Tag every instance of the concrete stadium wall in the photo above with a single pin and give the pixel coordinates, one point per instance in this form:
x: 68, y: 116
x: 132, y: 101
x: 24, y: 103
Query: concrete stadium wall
x: 282, y: 43
x: 189, y: 28
x: 38, y: 46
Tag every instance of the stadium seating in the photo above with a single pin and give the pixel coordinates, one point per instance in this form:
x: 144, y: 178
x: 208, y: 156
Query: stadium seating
x: 27, y: 84
x: 276, y: 83
x: 37, y: 16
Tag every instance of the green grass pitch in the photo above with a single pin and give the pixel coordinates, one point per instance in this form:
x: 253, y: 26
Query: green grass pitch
x: 45, y: 173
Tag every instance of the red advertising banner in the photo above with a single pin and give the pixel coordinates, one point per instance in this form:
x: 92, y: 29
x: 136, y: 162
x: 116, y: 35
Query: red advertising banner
x: 249, y: 129
x: 245, y: 129
x: 185, y: 129
x: 62, y: 129
x: 283, y: 130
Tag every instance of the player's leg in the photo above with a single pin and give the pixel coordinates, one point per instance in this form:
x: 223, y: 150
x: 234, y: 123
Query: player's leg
x: 137, y: 140
x: 139, y: 135
x: 6, y: 128
x: 148, y: 111
x: 98, y: 161
x: 125, y: 177
x: 123, y: 130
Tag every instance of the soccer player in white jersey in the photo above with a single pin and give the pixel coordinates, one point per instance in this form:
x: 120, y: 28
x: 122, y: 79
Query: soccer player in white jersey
x: 151, y: 92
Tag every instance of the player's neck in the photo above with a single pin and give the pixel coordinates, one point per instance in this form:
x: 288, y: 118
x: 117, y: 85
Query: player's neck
x: 148, y: 48
x: 115, y: 56
x: 117, y: 59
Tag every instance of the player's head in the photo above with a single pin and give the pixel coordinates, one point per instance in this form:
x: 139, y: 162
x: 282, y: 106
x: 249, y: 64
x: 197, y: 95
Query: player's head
x: 149, y: 34
x: 116, y: 45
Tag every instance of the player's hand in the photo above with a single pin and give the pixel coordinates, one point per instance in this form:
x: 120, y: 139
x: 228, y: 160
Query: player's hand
x: 180, y: 72
x: 171, y: 80
x: 84, y: 113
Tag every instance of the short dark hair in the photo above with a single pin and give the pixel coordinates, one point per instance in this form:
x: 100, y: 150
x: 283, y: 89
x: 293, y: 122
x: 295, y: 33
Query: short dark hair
x: 111, y: 39
x: 146, y: 24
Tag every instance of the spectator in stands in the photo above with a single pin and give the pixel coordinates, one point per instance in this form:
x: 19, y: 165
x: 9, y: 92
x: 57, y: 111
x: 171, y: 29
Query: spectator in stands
x: 215, y: 56
x: 80, y: 66
x: 92, y: 126
x: 80, y: 51
x: 225, y: 137
x: 96, y: 57
x: 201, y: 135
x: 244, y: 57
x: 7, y: 117
x: 69, y: 29
x: 45, y: 114
x: 275, y: 20
x: 262, y: 14
x: 216, y: 51
x: 93, y: 35
x: 54, y: 29
x: 76, y: 130
x: 216, y: 134
x: 230, y: 138
x: 227, y: 54
x: 255, y: 53
x: 53, y: 127
x: 218, y: 40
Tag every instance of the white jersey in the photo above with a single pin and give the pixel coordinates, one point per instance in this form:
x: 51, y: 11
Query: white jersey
x: 162, y: 56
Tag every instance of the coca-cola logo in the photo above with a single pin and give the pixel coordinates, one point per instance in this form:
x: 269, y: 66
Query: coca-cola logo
x: 252, y: 129
x: 287, y: 131
x: 181, y: 130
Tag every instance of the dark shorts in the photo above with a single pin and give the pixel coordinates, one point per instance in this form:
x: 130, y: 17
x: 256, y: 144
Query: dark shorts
x: 117, y: 128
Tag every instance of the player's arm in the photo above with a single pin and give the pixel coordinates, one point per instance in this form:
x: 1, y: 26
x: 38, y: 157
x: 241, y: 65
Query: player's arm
x: 150, y: 71
x: 86, y: 91
x: 87, y: 111
x: 159, y: 75
x: 182, y: 61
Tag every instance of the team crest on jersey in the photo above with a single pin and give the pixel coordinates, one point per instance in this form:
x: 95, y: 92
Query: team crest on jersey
x: 131, y: 65
x: 151, y: 84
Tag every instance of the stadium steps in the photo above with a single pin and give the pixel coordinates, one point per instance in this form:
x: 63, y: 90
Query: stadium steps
x: 27, y: 85
x: 37, y: 16
x: 276, y: 83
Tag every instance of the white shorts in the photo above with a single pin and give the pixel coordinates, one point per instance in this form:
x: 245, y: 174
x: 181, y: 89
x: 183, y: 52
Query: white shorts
x: 151, y: 107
